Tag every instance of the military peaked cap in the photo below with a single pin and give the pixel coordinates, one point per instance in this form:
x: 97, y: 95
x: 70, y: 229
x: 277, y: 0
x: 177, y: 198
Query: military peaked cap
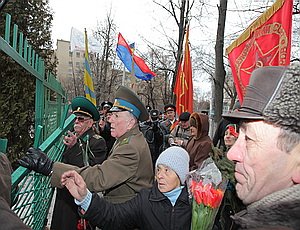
x: 106, y: 104
x: 82, y: 105
x: 170, y: 107
x: 127, y: 100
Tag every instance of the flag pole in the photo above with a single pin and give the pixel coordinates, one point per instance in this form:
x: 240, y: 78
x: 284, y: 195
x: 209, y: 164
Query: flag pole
x: 88, y: 78
x: 123, y: 76
x: 133, y: 81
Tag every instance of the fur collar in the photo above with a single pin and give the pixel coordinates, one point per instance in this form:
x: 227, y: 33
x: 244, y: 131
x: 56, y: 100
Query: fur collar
x: 279, y: 210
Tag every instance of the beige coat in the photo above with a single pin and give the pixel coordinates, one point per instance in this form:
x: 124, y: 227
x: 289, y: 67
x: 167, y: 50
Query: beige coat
x: 126, y: 171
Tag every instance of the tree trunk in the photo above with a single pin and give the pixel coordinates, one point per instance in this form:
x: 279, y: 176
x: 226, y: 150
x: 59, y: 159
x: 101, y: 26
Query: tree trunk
x: 219, y: 63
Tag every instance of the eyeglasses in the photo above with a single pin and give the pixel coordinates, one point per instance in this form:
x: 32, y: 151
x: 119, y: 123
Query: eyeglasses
x: 82, y: 119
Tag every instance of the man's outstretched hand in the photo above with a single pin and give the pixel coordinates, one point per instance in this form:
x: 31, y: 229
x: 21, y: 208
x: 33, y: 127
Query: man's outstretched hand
x: 75, y: 184
x: 37, y: 160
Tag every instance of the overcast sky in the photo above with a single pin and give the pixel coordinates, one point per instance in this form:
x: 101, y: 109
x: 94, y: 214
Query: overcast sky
x: 133, y: 17
x: 141, y: 18
x: 137, y: 19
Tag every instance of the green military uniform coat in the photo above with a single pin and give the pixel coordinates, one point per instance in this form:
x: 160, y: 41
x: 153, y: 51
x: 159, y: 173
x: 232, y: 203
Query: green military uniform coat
x: 126, y: 171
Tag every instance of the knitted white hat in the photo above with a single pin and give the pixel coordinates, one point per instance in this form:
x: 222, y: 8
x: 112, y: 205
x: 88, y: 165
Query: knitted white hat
x: 177, y: 159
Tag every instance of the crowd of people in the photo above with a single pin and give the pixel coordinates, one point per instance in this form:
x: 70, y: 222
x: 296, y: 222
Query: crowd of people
x: 125, y: 167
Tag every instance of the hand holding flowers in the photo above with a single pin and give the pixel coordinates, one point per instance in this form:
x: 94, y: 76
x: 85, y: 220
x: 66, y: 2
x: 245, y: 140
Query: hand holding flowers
x: 207, y: 189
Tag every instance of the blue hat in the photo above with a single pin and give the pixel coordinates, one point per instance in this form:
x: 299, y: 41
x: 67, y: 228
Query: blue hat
x: 127, y: 100
x: 177, y: 159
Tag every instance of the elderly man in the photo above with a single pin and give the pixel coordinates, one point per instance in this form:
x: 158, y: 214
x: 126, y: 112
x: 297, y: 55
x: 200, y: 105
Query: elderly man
x: 181, y: 133
x: 267, y: 151
x: 128, y: 167
x: 83, y: 147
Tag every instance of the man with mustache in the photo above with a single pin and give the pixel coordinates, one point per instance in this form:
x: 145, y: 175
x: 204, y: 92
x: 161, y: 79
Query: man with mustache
x: 83, y: 148
x: 128, y: 167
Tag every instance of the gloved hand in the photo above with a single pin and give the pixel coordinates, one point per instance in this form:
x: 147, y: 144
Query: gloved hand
x: 37, y: 160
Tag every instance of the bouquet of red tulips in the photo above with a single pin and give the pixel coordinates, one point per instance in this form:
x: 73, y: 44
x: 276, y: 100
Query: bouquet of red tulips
x: 206, y: 187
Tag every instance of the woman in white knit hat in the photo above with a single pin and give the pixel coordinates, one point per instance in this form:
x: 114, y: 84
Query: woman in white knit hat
x: 164, y: 206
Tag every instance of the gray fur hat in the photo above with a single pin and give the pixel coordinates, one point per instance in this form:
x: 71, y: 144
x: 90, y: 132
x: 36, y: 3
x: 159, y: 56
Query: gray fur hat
x: 273, y: 95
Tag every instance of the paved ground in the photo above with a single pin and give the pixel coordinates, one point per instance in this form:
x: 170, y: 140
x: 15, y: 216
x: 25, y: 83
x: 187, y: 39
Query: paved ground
x: 49, y: 217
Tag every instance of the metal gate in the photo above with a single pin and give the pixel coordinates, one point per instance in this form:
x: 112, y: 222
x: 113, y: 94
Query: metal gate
x: 31, y: 192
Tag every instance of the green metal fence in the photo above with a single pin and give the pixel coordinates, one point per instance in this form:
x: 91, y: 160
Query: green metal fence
x: 32, y: 193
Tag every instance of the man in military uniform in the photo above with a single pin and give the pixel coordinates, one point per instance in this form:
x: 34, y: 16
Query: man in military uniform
x: 128, y: 167
x: 168, y: 124
x: 83, y: 148
x: 106, y: 106
x: 104, y: 124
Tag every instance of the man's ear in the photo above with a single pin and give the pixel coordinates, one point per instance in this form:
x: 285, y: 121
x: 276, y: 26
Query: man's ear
x: 296, y: 173
x: 132, y: 123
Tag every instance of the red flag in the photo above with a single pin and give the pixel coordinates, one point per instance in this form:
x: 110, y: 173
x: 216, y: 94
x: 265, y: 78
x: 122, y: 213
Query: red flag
x: 125, y: 52
x: 184, y: 83
x: 266, y: 42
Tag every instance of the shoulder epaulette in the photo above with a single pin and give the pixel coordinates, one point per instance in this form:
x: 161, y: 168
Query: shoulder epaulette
x: 97, y: 136
x: 125, y: 141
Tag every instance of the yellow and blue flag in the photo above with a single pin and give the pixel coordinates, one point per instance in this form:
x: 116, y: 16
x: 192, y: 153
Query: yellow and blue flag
x: 88, y: 78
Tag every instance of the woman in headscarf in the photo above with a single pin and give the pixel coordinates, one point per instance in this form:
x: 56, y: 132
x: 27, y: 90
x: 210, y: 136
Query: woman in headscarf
x: 231, y: 135
x: 199, y: 145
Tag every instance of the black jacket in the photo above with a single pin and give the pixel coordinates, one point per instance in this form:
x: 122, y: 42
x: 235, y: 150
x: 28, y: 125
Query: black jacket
x: 65, y: 215
x: 218, y: 139
x: 150, y: 209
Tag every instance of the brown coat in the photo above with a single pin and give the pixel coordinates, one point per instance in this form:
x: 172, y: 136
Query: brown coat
x: 8, y: 219
x: 126, y: 171
x: 199, y: 147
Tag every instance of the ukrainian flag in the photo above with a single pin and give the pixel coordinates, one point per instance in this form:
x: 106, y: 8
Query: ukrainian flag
x: 88, y: 78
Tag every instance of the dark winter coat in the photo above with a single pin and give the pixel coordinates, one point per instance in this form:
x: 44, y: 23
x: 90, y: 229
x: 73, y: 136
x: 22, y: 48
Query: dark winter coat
x: 166, y: 128
x: 65, y: 215
x: 105, y: 133
x: 149, y: 210
x: 279, y: 210
x: 218, y: 139
x: 200, y: 146
x: 8, y: 219
x: 154, y: 137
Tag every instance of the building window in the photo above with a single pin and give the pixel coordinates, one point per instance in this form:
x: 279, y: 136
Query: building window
x: 70, y: 54
x: 78, y: 54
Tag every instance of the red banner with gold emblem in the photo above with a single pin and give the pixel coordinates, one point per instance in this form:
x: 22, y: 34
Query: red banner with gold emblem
x: 266, y: 42
x: 184, y: 82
